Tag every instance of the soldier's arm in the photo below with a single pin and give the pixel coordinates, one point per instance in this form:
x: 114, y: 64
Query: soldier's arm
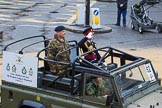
x: 90, y: 90
x: 52, y: 50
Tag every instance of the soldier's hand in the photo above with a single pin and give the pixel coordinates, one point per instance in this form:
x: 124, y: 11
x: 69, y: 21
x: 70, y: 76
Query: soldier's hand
x: 105, y: 97
x: 121, y: 5
x: 104, y: 63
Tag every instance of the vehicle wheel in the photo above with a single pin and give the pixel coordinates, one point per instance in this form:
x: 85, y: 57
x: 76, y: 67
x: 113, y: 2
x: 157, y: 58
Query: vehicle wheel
x: 159, y: 29
x: 132, y: 26
x: 140, y: 29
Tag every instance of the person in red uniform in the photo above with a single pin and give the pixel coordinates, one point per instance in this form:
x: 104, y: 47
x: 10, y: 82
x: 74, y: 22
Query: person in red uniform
x: 88, y: 44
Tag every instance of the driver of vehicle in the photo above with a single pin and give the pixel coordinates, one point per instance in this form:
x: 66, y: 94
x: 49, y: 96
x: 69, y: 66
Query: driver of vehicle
x: 96, y: 87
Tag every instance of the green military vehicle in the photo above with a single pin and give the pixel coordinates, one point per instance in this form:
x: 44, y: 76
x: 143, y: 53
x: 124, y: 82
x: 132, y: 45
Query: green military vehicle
x: 129, y: 81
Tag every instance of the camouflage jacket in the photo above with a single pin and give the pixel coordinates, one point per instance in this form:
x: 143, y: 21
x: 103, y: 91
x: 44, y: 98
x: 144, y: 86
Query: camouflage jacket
x: 96, y: 89
x: 56, y: 46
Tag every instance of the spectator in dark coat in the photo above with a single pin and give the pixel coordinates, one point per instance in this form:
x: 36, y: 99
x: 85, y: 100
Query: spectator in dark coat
x: 122, y: 10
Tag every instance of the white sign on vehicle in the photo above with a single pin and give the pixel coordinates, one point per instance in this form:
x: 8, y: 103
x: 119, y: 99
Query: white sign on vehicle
x: 19, y: 69
x: 150, y: 72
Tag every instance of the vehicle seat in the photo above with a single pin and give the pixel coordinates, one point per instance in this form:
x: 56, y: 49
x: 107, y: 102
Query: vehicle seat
x: 61, y: 84
x: 111, y: 66
x: 46, y: 65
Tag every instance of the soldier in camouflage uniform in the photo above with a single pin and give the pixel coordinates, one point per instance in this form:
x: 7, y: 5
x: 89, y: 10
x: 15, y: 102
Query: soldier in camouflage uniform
x: 55, y: 46
x: 97, y: 87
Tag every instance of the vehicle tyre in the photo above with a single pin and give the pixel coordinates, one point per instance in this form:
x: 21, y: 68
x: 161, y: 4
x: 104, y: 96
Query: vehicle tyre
x: 159, y: 29
x: 132, y: 26
x: 140, y: 29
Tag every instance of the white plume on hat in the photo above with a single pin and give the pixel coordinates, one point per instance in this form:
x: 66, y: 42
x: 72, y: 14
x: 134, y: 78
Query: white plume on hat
x: 90, y: 35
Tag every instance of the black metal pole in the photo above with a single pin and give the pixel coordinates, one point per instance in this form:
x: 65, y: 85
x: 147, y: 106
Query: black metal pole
x: 87, y: 13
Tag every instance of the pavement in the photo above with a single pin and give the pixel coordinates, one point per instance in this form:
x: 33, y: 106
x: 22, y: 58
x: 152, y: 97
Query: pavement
x: 79, y: 28
x: 106, y: 27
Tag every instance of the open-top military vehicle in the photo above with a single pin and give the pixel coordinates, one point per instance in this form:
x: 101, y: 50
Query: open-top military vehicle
x: 130, y: 81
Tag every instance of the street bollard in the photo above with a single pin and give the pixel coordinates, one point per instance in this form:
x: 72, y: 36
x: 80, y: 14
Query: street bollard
x: 95, y: 18
x: 80, y: 15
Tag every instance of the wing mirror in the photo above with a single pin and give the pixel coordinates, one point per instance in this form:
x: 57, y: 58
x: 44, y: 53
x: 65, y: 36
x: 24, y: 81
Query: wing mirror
x: 131, y: 74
